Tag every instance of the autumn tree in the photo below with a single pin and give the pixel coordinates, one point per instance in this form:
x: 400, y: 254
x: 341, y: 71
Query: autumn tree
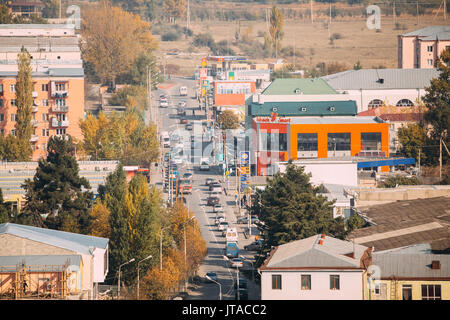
x: 413, y: 139
x: 100, y: 220
x: 276, y: 29
x: 113, y: 39
x: 24, y: 99
x: 228, y: 120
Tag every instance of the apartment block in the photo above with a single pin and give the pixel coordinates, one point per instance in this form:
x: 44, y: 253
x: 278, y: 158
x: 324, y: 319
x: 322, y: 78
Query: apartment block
x: 421, y: 48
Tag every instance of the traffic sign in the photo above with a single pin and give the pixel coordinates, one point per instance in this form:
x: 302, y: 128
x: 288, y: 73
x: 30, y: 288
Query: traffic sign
x: 245, y: 157
x: 245, y: 170
x: 205, y: 83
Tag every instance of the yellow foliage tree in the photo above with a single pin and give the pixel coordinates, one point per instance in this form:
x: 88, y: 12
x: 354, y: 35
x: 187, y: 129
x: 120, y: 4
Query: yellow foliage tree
x: 113, y: 39
x: 100, y: 223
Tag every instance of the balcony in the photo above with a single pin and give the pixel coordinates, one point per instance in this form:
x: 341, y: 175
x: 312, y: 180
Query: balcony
x: 35, y: 109
x: 34, y: 138
x: 59, y: 124
x: 60, y: 94
x: 34, y: 123
x: 60, y: 108
x: 34, y: 94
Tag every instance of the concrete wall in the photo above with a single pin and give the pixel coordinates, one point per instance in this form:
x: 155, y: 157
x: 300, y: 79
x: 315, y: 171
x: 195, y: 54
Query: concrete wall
x: 401, y: 193
x: 351, y: 286
x: 11, y: 245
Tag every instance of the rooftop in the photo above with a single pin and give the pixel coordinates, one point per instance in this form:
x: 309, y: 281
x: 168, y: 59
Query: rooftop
x: 292, y: 86
x: 50, y: 72
x: 330, y: 120
x: 71, y: 241
x: 431, y: 33
x: 406, y: 222
x: 315, y: 252
x: 369, y: 79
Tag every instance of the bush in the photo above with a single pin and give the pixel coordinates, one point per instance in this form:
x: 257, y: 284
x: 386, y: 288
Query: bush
x: 170, y: 36
x: 393, y: 181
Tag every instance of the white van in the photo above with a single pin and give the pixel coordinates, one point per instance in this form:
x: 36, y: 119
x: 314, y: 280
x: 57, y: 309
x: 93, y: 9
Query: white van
x: 231, y: 235
x: 165, y: 139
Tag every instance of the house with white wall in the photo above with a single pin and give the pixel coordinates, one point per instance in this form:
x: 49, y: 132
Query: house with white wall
x: 371, y: 88
x: 316, y: 268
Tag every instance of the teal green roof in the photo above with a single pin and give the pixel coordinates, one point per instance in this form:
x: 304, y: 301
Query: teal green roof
x: 304, y: 108
x: 305, y: 85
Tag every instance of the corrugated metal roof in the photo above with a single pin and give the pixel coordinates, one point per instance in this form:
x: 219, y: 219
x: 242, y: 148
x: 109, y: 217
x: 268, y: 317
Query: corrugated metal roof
x: 411, y: 265
x: 67, y: 240
x: 52, y: 72
x: 37, y: 262
x: 306, y: 86
x: 368, y: 79
x: 309, y: 253
x: 427, y: 31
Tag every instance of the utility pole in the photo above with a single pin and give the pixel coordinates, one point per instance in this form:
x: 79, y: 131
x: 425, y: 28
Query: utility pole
x: 312, y: 19
x: 440, y: 158
x: 419, y: 163
x: 393, y: 10
x: 188, y: 18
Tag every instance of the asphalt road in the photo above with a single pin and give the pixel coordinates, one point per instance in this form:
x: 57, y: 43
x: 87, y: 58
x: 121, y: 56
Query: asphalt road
x: 196, y: 202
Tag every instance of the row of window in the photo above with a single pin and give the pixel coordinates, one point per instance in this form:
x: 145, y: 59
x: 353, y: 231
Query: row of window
x: 13, y: 102
x: 45, y: 132
x: 375, y: 103
x: 308, y: 141
x: 44, y: 117
x: 305, y: 282
x: 44, y: 87
x: 429, y: 291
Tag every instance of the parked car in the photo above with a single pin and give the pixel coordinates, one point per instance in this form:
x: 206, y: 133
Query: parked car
x: 182, y: 104
x: 183, y: 120
x: 215, y: 187
x: 209, y: 181
x: 237, y: 263
x: 204, y: 166
x: 164, y: 104
x: 175, y: 137
x: 212, y: 200
x: 211, y: 275
x: 254, y: 246
x: 244, y: 220
x: 189, y: 127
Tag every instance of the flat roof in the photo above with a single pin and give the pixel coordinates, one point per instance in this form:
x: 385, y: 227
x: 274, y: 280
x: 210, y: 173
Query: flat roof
x: 50, y: 72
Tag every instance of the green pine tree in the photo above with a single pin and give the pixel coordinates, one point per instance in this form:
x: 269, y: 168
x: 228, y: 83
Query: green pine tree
x: 292, y: 208
x: 24, y: 100
x: 57, y: 192
x: 5, y: 210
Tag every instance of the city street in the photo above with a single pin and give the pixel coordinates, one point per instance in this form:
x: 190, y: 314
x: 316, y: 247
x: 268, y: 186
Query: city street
x: 196, y: 202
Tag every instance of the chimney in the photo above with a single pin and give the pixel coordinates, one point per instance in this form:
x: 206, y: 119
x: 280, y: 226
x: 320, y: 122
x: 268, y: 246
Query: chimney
x: 435, y: 265
x: 321, y: 242
x: 322, y: 236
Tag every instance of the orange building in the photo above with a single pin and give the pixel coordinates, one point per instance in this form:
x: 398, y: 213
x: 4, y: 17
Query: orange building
x: 232, y: 93
x: 57, y: 108
x: 280, y: 139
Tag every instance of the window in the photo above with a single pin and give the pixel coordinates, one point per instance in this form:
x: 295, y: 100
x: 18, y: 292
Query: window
x: 60, y: 86
x: 273, y: 141
x: 431, y: 292
x: 45, y: 102
x: 375, y: 103
x: 377, y: 290
x: 276, y: 281
x: 13, y: 102
x: 371, y: 141
x: 45, y: 87
x: 334, y: 282
x: 2, y: 117
x: 307, y: 142
x: 12, y: 88
x: 60, y: 102
x: 13, y: 132
x: 13, y: 117
x: 306, y: 282
x: 405, y: 103
x: 60, y: 132
x: 45, y: 117
x: 339, y: 141
x: 45, y: 132
x: 1, y: 87
x: 430, y: 48
x: 406, y: 292
x: 2, y: 103
x: 430, y: 62
x: 61, y: 117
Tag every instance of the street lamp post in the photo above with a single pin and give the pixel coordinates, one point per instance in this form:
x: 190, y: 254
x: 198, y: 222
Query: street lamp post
x: 220, y: 286
x: 150, y: 256
x: 118, y: 294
